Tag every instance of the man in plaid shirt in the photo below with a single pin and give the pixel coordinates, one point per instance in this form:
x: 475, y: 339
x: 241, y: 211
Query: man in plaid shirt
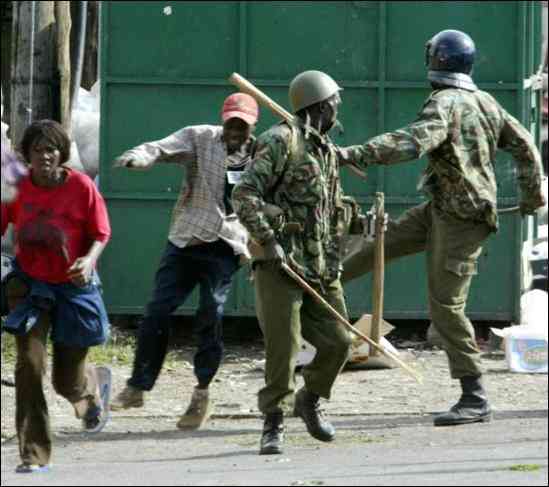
x: 205, y: 244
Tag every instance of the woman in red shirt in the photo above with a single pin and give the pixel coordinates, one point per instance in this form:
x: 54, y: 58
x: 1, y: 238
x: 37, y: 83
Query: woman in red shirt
x: 61, y: 226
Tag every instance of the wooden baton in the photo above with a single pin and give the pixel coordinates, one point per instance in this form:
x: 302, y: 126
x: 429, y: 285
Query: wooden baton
x: 246, y: 87
x: 303, y: 284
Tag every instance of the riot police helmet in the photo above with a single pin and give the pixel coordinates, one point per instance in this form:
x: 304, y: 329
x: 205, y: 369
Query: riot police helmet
x: 450, y: 56
x: 311, y: 87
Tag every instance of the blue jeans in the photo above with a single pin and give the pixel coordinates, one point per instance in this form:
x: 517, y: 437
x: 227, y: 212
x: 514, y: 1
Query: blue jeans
x: 212, y: 265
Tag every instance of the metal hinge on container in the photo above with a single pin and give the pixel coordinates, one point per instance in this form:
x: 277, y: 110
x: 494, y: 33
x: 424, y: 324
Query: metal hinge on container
x: 370, y: 225
x: 536, y: 82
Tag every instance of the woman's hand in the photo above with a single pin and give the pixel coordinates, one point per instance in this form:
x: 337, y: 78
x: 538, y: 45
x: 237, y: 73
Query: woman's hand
x: 80, y: 272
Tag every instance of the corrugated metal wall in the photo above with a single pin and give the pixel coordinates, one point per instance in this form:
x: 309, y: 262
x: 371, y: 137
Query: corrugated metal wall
x: 164, y: 69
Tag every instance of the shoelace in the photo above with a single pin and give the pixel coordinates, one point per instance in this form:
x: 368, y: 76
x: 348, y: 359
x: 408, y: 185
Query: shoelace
x: 128, y: 395
x: 194, y: 407
x: 319, y: 412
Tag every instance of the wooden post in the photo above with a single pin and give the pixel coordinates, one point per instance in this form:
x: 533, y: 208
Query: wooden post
x: 379, y: 271
x: 63, y: 19
x: 33, y: 55
x: 5, y: 50
x: 90, y: 68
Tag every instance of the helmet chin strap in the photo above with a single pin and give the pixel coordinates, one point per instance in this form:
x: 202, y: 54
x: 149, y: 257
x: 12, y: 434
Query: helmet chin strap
x: 308, y: 126
x: 338, y: 126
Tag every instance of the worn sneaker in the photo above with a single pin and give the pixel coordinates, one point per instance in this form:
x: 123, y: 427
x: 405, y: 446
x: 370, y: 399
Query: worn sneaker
x: 97, y: 416
x: 130, y: 397
x: 32, y: 468
x: 198, y: 412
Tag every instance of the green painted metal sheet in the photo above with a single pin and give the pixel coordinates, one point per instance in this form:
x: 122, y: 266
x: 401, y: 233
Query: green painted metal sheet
x: 162, y: 69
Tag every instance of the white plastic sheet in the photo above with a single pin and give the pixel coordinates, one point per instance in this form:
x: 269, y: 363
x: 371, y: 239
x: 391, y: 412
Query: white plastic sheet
x: 85, y: 129
x: 360, y: 350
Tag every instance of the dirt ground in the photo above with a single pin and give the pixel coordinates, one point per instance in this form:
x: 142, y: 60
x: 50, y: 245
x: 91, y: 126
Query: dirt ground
x: 357, y: 392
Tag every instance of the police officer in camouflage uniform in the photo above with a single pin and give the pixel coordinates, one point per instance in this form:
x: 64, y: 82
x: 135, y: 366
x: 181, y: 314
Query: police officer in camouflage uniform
x: 295, y: 171
x: 460, y: 129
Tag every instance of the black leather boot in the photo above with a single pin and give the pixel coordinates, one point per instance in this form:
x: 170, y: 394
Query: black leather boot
x: 472, y: 407
x: 307, y: 408
x: 273, y: 434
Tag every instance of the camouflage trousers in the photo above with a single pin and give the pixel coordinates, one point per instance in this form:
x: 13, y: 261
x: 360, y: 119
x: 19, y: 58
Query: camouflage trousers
x: 286, y: 313
x: 452, y: 247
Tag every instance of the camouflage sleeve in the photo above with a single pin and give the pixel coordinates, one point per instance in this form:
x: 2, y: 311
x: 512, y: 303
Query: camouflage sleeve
x: 518, y: 142
x: 422, y: 136
x: 249, y: 195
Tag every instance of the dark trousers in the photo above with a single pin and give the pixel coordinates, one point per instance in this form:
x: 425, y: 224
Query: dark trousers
x: 210, y: 265
x: 453, y: 248
x: 72, y: 378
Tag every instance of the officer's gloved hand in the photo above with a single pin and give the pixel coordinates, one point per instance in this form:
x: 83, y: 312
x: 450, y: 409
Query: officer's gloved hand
x: 529, y: 207
x: 274, y: 255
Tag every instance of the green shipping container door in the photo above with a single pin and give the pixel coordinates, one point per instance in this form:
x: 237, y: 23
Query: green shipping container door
x: 164, y: 65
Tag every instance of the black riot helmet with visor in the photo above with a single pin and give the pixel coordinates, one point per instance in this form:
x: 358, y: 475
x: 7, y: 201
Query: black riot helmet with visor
x: 450, y: 56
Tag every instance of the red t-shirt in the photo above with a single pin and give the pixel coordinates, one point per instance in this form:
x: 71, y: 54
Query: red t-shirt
x: 55, y: 226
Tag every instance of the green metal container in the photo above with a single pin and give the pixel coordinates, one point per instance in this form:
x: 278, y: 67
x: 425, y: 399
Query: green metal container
x: 165, y: 65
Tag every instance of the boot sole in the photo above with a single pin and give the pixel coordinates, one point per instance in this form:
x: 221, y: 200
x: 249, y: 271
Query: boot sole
x: 483, y: 419
x: 270, y: 451
x: 324, y: 439
x: 190, y: 427
x: 124, y: 408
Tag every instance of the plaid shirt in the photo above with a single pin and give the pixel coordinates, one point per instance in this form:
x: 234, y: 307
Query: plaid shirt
x: 200, y: 209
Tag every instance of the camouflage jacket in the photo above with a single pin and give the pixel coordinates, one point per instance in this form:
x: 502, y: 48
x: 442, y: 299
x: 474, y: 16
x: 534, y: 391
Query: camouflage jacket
x: 460, y: 131
x: 301, y: 176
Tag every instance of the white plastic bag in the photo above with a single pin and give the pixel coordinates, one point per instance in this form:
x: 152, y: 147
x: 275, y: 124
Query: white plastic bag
x: 85, y: 129
x: 533, y: 305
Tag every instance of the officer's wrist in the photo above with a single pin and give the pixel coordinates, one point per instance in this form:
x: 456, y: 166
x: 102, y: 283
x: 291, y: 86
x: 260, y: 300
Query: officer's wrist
x: 269, y: 240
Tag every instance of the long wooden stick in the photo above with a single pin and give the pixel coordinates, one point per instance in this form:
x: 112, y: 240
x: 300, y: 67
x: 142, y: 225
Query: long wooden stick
x: 246, y: 87
x: 294, y: 275
x: 379, y: 271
